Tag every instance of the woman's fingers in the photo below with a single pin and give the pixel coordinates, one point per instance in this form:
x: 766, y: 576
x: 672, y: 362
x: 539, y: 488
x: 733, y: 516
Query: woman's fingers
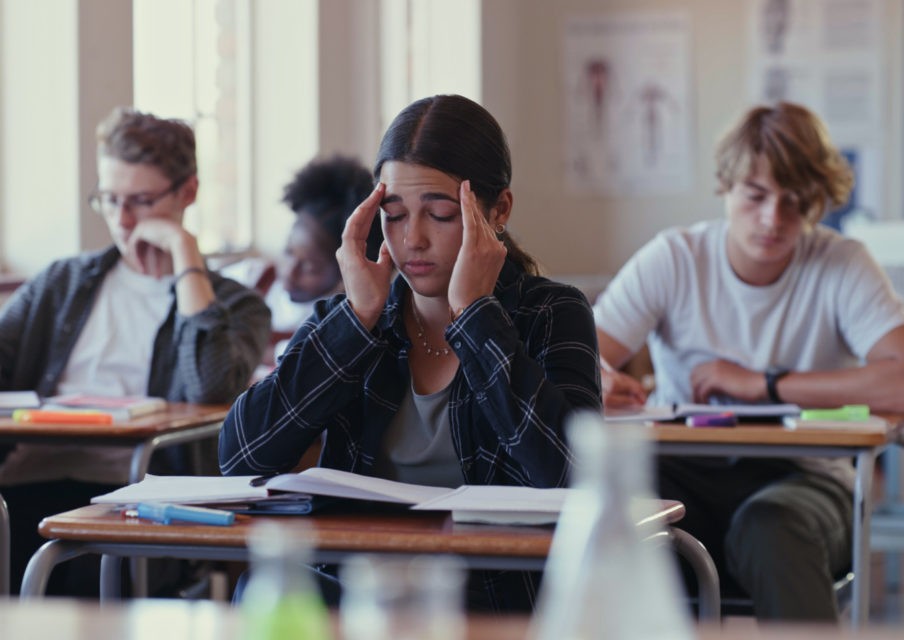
x: 480, y: 257
x: 357, y: 227
x: 476, y: 226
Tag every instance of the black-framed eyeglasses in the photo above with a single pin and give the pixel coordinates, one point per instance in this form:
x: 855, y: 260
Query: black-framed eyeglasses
x: 139, y: 204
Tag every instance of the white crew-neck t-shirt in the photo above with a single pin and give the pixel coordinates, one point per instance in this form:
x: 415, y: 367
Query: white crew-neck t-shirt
x: 111, y: 356
x: 680, y: 294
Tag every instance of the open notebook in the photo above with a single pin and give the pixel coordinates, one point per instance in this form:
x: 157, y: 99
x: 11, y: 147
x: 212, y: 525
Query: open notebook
x: 500, y: 504
x: 683, y: 410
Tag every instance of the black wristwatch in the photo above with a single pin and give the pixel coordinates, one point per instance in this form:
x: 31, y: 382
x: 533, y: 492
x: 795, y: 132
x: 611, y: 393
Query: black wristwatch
x: 773, y: 375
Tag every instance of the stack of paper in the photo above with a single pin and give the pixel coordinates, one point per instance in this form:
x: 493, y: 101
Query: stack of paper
x: 680, y: 411
x: 120, y: 407
x: 499, y: 504
x: 12, y: 400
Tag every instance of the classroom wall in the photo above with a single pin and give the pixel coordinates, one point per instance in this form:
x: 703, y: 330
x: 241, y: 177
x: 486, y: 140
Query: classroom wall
x: 38, y: 140
x: 522, y: 49
x: 49, y: 108
x: 46, y: 142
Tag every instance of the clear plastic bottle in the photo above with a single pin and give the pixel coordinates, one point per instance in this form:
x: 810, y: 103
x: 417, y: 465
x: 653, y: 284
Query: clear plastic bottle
x: 282, y: 600
x: 604, y: 579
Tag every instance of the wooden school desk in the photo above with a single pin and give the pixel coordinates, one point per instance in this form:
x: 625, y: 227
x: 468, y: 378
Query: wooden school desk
x: 774, y: 441
x: 100, y: 529
x: 180, y: 423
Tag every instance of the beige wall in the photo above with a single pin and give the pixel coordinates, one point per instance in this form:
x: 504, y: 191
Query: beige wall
x: 46, y: 146
x: 523, y: 54
x: 48, y: 112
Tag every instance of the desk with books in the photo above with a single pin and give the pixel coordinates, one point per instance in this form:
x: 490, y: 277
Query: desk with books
x: 179, y: 423
x: 772, y: 440
x: 100, y: 529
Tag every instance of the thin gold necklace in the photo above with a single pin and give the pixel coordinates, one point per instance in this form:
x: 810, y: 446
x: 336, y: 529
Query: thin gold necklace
x: 422, y: 336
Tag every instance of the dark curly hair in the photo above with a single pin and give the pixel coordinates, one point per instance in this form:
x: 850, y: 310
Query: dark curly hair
x: 328, y: 190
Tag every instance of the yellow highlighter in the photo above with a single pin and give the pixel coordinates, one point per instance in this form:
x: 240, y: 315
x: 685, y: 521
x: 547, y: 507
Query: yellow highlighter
x: 849, y: 412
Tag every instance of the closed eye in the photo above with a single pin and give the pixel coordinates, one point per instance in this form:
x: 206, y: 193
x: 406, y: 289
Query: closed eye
x: 389, y: 217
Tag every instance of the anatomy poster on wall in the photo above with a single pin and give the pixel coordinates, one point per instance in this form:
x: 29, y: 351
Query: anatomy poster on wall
x: 628, y: 128
x: 826, y: 55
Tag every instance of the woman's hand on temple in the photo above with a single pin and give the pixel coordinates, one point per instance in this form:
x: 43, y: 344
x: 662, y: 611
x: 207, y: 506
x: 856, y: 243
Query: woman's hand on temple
x: 480, y: 257
x: 366, y: 282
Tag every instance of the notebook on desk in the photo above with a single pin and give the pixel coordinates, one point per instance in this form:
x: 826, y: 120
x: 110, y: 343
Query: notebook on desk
x: 120, y: 407
x: 496, y: 503
x: 12, y: 400
x: 680, y: 411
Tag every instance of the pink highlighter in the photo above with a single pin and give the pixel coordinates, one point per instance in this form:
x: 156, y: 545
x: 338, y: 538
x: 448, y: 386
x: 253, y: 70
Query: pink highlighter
x: 726, y: 419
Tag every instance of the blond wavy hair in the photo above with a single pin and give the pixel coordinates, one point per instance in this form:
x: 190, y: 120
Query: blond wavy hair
x: 796, y: 144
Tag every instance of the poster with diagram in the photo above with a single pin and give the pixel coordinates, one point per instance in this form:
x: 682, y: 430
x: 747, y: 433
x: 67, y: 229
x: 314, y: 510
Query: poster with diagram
x: 628, y: 128
x: 826, y: 55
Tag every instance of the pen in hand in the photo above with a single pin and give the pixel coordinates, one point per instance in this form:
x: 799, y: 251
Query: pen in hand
x: 620, y: 390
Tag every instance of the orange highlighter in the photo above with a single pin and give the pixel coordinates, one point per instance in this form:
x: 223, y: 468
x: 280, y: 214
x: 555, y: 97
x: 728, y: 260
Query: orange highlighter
x: 43, y: 416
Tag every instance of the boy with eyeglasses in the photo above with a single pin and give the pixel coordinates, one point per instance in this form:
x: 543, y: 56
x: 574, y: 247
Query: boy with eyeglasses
x: 142, y: 317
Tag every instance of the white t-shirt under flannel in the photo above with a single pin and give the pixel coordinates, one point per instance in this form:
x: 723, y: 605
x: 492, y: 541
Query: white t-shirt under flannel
x: 112, y: 356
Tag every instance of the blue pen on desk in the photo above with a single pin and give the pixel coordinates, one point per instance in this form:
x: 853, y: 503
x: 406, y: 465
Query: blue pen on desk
x: 167, y: 513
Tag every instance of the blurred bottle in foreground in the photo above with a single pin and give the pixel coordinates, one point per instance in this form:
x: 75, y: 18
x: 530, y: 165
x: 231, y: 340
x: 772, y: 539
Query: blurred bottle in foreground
x: 606, y: 577
x: 403, y: 598
x: 282, y: 600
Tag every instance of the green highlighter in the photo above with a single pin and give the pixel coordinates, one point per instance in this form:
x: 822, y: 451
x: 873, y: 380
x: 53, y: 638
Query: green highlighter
x: 849, y: 412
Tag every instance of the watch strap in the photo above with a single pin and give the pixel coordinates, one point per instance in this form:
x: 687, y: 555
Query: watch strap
x: 773, y: 375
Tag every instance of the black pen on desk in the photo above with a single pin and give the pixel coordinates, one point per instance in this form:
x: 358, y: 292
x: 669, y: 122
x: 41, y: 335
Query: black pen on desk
x: 260, y: 481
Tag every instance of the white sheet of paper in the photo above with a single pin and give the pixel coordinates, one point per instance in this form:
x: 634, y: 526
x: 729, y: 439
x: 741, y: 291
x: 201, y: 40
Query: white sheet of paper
x: 10, y: 400
x: 497, y: 498
x: 343, y: 484
x: 185, y: 490
x: 670, y: 412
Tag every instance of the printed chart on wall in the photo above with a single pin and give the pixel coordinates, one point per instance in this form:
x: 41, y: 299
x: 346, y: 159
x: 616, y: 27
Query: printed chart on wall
x: 827, y: 55
x: 627, y: 103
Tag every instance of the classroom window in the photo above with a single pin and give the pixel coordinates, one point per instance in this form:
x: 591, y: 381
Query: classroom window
x: 191, y: 61
x: 428, y: 47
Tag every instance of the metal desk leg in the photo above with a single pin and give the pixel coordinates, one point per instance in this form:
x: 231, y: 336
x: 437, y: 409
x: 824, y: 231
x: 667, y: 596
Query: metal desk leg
x: 141, y: 459
x: 692, y: 550
x: 37, y: 573
x: 4, y: 548
x: 110, y: 578
x: 866, y: 463
x: 892, y: 501
x: 138, y: 568
x: 141, y: 456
